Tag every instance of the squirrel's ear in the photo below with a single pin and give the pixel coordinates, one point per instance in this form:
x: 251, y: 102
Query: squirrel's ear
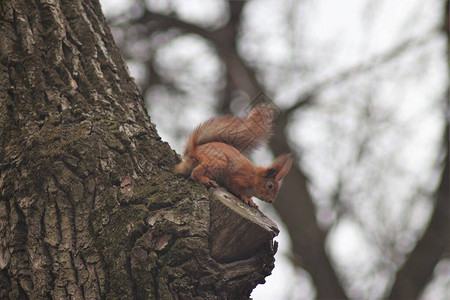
x: 270, y: 172
x: 283, y: 164
x: 279, y: 168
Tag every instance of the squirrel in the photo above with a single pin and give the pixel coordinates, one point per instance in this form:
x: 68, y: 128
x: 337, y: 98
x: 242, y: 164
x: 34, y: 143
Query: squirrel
x: 215, y: 155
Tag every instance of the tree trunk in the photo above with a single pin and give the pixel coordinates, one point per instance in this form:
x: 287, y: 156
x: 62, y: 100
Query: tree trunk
x: 89, y: 207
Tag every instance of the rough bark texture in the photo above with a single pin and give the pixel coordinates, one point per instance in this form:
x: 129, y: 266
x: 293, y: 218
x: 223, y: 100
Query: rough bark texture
x: 89, y: 207
x: 236, y: 231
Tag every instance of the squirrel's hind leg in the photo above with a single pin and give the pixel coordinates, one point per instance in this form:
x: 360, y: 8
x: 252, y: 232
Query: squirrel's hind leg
x: 198, y: 173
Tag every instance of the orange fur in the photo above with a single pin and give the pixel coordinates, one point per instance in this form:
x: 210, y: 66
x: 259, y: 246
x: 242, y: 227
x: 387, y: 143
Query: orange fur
x: 214, y: 156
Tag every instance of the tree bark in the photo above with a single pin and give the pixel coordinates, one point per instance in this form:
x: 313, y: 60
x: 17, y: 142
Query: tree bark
x: 89, y: 206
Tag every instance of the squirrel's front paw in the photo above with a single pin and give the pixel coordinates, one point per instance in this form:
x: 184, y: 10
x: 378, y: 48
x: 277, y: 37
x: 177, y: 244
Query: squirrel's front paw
x: 249, y: 201
x: 212, y: 183
x: 207, y: 182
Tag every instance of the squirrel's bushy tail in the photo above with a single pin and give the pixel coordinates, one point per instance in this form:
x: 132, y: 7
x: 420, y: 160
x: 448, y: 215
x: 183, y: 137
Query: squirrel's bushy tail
x: 243, y: 134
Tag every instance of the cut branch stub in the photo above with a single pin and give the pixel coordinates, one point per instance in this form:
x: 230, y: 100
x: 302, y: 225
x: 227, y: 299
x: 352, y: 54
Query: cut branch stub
x: 237, y: 231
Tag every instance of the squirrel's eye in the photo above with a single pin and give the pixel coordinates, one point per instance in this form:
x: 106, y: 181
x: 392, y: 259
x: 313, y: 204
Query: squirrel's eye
x: 270, y: 185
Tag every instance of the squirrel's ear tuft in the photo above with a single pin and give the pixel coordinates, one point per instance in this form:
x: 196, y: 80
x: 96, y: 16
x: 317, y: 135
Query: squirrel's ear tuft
x: 279, y: 168
x: 282, y: 164
x: 270, y: 172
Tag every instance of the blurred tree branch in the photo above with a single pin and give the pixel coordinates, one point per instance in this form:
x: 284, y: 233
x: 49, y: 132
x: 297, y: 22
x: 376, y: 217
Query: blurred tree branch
x: 296, y: 208
x: 223, y: 39
x: 371, y: 64
x: 241, y: 77
x: 417, y: 270
x: 156, y: 22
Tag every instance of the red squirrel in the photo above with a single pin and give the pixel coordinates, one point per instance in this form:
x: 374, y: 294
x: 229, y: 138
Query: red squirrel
x: 214, y: 155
